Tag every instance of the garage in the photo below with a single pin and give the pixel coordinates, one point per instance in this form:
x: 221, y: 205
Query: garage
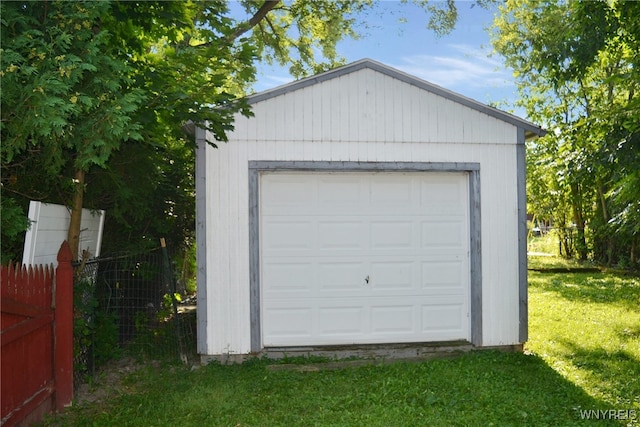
x: 363, y: 258
x: 362, y: 208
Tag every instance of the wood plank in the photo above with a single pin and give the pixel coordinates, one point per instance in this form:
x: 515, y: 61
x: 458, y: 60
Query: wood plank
x: 21, y: 412
x: 24, y: 328
x: 11, y: 306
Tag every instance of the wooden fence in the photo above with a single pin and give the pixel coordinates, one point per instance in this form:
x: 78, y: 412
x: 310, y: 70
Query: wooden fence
x: 37, y: 339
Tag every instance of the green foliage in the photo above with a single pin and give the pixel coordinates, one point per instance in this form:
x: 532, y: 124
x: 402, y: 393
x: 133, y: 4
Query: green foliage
x: 95, y: 329
x: 166, y: 309
x: 65, y: 96
x: 105, y: 346
x: 576, y: 67
x: 158, y: 334
x: 13, y: 222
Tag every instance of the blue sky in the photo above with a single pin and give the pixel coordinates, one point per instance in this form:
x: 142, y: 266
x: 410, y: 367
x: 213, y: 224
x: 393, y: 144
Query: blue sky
x: 395, y: 34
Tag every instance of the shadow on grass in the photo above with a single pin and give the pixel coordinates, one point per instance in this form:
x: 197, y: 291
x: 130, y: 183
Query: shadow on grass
x: 617, y: 370
x: 593, y: 287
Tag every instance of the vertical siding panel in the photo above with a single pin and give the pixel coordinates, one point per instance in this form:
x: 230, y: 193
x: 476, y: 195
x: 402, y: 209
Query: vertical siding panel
x: 513, y: 334
x: 232, y: 244
x: 215, y: 264
x: 467, y: 126
x: 499, y: 281
x: 205, y: 325
x: 487, y: 218
x: 337, y: 105
x: 454, y: 126
x: 262, y: 115
x: 379, y: 108
x: 250, y: 124
x: 298, y: 115
x: 279, y: 119
x: 405, y: 107
x: 380, y: 150
x: 481, y: 129
x: 412, y: 113
x: 304, y: 113
x: 316, y: 111
x: 242, y: 255
x: 224, y: 235
x: 363, y: 151
x: 240, y: 129
x: 401, y: 152
x: 351, y: 110
x: 429, y: 120
x: 329, y: 105
x: 270, y: 149
x: 508, y: 267
x: 366, y: 124
x: 315, y: 148
x: 507, y: 134
x: 390, y: 115
x: 338, y: 149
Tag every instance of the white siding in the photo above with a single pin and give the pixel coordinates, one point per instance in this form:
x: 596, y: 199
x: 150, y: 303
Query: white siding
x: 363, y: 116
x: 50, y: 227
x: 368, y: 106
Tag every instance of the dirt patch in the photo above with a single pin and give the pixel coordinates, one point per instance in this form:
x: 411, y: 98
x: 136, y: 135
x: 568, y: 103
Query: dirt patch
x: 108, y: 382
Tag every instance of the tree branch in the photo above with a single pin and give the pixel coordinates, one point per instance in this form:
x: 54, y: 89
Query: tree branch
x: 266, y: 7
x: 257, y: 17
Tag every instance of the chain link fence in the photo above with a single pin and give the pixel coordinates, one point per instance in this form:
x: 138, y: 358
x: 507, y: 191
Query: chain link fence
x: 128, y: 305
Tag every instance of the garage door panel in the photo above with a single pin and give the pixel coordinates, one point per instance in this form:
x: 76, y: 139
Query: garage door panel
x: 339, y: 277
x: 443, y: 233
x: 392, y: 234
x: 285, y: 194
x: 442, y: 194
x: 365, y: 258
x: 386, y: 190
x: 393, y: 319
x: 336, y: 190
x: 341, y: 233
x: 448, y: 274
x: 288, y: 277
x: 287, y: 234
x: 332, y: 320
x: 443, y: 314
x: 392, y: 276
x: 289, y: 323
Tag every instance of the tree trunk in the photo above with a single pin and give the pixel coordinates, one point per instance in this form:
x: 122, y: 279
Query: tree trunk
x: 608, y: 240
x: 578, y: 218
x: 76, y: 213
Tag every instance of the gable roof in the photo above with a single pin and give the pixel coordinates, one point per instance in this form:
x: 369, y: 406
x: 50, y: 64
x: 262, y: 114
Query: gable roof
x: 531, y: 130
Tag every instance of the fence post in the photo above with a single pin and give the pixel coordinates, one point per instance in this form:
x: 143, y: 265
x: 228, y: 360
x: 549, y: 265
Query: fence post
x: 64, y: 328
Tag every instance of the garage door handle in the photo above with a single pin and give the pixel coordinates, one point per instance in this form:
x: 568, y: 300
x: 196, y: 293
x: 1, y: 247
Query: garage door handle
x: 366, y: 280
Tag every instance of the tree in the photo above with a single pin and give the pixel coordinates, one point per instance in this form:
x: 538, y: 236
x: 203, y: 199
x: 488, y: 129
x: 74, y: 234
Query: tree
x: 576, y: 66
x: 65, y: 97
x: 90, y: 86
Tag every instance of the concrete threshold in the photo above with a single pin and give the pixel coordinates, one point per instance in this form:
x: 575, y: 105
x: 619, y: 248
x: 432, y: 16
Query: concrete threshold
x: 345, y: 356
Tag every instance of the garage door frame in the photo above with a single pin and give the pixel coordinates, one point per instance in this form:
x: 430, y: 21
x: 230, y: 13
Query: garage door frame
x: 256, y: 168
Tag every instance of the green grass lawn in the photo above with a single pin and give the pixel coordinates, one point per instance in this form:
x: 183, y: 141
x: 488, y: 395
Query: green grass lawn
x: 583, y: 354
x: 587, y: 328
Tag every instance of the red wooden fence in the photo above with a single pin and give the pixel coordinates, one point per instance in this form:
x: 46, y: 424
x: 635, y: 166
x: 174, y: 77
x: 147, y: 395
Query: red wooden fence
x: 37, y: 339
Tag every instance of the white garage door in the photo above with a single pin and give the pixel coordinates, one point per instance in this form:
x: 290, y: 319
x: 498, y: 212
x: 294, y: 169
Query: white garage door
x: 361, y: 257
